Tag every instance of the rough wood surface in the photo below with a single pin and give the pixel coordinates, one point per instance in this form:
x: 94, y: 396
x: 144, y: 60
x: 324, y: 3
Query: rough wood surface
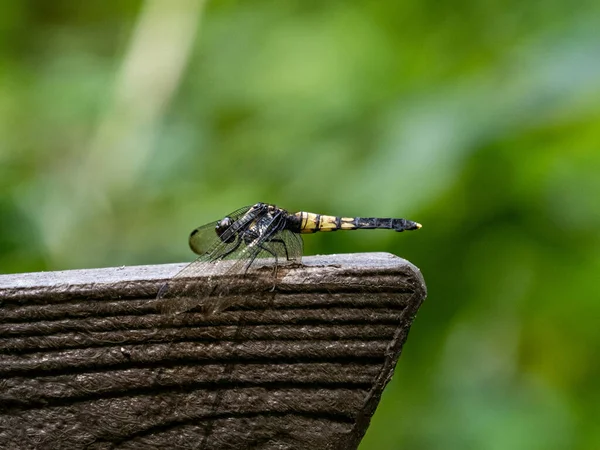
x: 88, y: 361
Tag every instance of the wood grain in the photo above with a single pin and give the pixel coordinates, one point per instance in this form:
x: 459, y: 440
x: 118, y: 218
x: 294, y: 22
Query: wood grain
x: 88, y: 361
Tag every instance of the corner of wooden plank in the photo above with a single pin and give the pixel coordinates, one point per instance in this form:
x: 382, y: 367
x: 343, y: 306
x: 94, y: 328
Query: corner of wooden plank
x: 88, y: 359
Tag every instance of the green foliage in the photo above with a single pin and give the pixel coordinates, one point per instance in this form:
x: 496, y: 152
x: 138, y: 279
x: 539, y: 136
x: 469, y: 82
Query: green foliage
x: 125, y: 125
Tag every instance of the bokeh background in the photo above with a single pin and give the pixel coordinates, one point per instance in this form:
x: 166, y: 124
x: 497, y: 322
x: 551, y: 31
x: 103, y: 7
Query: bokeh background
x: 125, y: 124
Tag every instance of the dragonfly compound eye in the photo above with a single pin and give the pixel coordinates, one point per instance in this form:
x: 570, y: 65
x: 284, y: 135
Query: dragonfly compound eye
x: 222, y: 226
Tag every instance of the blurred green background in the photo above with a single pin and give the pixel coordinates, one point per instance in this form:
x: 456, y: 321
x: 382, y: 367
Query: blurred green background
x: 124, y: 125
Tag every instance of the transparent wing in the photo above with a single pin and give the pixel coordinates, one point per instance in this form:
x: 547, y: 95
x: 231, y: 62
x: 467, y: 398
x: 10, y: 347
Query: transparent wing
x: 201, y: 279
x: 204, y: 281
x: 279, y: 247
x: 204, y: 239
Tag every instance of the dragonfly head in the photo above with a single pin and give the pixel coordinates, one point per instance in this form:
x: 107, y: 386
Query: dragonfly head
x: 222, y: 226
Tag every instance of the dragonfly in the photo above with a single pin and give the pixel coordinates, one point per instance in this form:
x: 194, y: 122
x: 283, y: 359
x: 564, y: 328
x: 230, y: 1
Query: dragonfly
x: 239, y: 241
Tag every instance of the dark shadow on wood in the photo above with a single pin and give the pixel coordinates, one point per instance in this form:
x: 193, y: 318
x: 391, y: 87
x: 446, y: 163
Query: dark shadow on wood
x: 88, y: 361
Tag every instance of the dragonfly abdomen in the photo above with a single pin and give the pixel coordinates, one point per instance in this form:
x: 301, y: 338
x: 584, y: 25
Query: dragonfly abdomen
x: 306, y: 222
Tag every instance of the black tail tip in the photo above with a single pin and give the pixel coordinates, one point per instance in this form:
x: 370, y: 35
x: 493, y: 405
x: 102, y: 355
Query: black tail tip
x: 410, y: 225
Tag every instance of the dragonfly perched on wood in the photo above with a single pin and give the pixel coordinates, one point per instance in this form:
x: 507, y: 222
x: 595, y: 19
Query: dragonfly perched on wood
x: 234, y: 245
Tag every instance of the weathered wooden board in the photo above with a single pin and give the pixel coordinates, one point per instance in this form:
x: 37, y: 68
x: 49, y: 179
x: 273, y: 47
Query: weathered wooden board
x: 88, y: 361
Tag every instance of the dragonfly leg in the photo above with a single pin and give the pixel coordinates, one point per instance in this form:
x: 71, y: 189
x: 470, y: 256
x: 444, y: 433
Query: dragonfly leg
x: 282, y: 242
x: 276, y: 263
x: 266, y: 249
x: 275, y: 266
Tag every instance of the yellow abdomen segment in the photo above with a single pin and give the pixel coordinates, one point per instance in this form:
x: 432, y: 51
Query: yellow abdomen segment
x: 348, y: 223
x: 311, y: 223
